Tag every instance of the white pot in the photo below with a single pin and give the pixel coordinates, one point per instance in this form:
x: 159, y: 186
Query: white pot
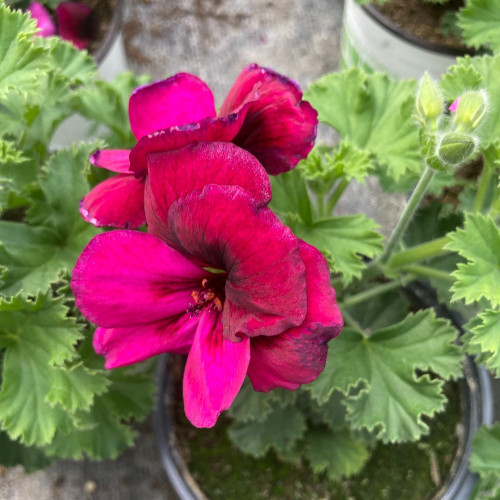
x: 373, y: 42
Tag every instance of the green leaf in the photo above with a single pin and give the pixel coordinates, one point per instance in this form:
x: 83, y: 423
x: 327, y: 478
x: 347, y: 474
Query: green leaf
x: 75, y: 65
x: 480, y: 23
x: 21, y: 62
x: 352, y: 162
x: 290, y: 195
x: 101, y: 435
x: 390, y: 398
x: 280, y: 430
x: 107, y: 104
x: 374, y: 113
x: 34, y: 257
x: 14, y: 453
x: 479, y: 243
x: 13, y: 110
x: 484, y: 459
x: 38, y: 336
x: 483, y: 337
x: 102, y: 432
x: 62, y: 186
x: 346, y: 160
x: 459, y: 77
x: 384, y: 310
x: 74, y: 388
x: 344, y: 241
x: 250, y: 405
x: 131, y: 395
x: 9, y: 154
x: 487, y: 488
x: 332, y: 412
x: 336, y: 452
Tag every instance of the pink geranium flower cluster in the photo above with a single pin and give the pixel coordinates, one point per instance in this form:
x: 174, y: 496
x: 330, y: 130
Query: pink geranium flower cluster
x: 217, y: 277
x: 73, y: 22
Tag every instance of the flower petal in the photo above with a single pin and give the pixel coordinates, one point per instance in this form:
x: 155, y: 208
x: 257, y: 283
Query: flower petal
x: 298, y: 356
x: 224, y: 227
x: 128, y: 278
x: 218, y: 129
x: 173, y: 174
x: 178, y: 100
x: 116, y: 160
x: 116, y: 202
x: 214, y: 372
x: 73, y: 19
x: 128, y: 345
x: 280, y: 128
x: 43, y: 20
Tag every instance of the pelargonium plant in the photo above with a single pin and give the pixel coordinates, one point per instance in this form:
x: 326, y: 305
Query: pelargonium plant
x: 222, y: 242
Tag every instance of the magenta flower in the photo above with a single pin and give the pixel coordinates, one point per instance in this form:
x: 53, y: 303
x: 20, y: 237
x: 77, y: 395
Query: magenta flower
x: 218, y: 277
x: 43, y: 19
x: 454, y: 105
x: 73, y: 22
x: 263, y: 113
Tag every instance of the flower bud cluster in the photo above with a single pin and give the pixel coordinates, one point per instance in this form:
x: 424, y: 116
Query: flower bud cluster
x: 448, y: 140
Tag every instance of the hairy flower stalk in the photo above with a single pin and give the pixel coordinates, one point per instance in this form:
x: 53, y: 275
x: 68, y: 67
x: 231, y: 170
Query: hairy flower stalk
x: 240, y: 294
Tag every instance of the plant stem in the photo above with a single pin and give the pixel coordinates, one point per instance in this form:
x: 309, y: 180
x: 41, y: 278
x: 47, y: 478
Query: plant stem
x: 429, y: 272
x: 426, y: 250
x: 353, y: 323
x: 484, y: 183
x: 370, y: 293
x: 337, y: 193
x: 320, y: 200
x: 408, y: 212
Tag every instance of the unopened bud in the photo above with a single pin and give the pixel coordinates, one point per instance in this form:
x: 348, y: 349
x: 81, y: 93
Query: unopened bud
x: 429, y: 100
x: 455, y: 148
x: 470, y: 111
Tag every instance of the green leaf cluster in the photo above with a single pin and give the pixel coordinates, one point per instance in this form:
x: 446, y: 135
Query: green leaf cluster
x: 294, y: 425
x: 484, y: 461
x: 56, y: 398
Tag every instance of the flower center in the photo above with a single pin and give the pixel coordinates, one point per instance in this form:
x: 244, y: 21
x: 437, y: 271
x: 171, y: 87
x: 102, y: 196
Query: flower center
x: 211, y: 294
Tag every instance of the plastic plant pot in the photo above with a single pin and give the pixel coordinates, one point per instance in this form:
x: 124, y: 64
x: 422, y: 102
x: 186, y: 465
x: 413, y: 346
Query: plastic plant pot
x: 373, y: 42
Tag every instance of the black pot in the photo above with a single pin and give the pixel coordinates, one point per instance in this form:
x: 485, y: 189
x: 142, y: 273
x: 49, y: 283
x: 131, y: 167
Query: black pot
x: 477, y: 409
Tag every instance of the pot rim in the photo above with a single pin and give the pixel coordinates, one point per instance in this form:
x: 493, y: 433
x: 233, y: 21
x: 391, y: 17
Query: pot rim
x: 389, y: 25
x: 113, y: 31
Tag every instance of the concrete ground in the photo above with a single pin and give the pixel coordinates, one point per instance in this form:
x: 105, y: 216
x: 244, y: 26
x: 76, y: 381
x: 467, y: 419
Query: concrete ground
x: 213, y: 39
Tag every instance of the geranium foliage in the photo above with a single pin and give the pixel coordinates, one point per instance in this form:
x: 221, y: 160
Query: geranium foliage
x: 52, y: 389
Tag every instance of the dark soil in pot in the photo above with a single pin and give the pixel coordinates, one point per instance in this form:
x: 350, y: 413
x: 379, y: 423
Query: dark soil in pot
x: 413, y: 471
x: 424, y: 20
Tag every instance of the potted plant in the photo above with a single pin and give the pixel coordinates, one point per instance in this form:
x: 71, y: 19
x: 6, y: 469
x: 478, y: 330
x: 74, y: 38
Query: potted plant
x: 408, y: 38
x: 334, y: 427
x: 219, y: 276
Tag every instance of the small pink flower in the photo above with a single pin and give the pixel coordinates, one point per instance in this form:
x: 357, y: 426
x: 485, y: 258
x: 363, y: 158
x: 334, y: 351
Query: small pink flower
x: 43, y: 20
x: 268, y: 311
x: 263, y: 113
x: 454, y: 105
